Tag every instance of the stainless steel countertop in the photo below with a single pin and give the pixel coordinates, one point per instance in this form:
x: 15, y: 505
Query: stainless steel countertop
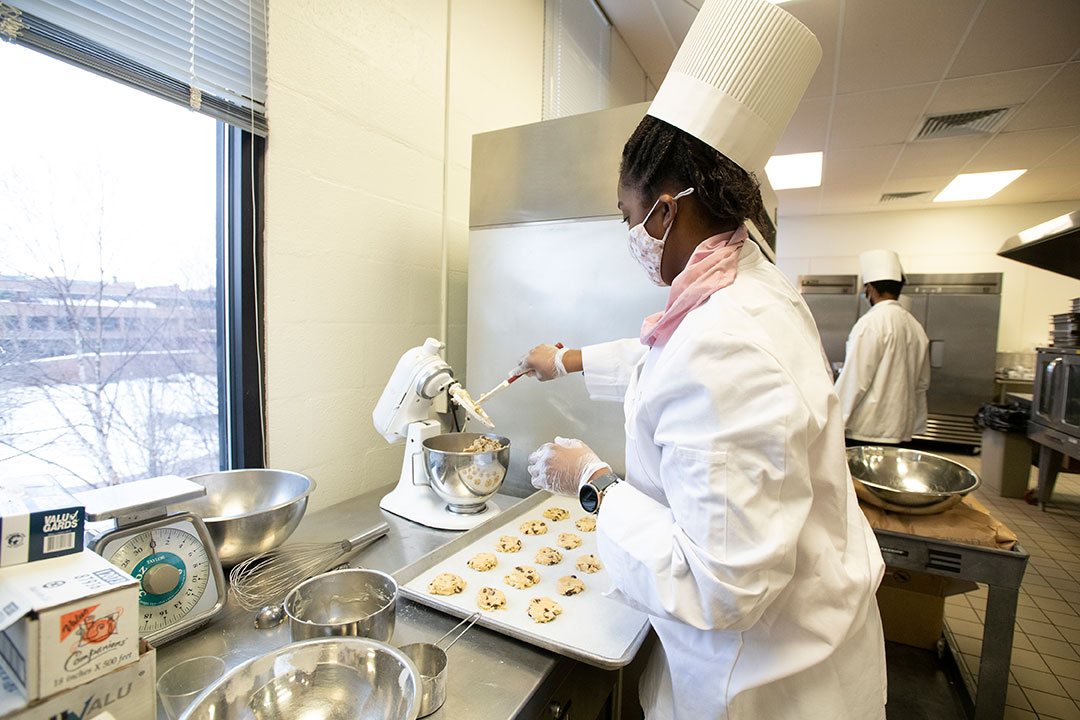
x: 490, y: 676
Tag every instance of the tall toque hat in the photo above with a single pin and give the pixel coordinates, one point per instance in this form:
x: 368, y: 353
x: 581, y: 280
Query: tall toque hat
x: 880, y: 265
x: 738, y: 78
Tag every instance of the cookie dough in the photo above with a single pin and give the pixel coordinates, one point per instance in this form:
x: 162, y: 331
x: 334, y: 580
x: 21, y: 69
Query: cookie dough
x: 569, y: 541
x: 548, y: 556
x: 490, y: 599
x: 522, y: 576
x: 544, y: 609
x: 586, y: 524
x: 533, y: 527
x: 483, y: 561
x: 446, y: 584
x: 556, y: 514
x: 569, y: 585
x: 508, y: 544
x: 589, y: 564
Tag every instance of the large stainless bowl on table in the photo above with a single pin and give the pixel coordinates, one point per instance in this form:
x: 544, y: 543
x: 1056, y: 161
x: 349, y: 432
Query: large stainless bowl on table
x: 324, y: 679
x: 250, y: 511
x: 912, y: 478
x: 465, y: 480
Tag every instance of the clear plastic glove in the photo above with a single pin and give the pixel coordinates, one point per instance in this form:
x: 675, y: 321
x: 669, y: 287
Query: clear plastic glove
x: 543, y: 362
x: 564, y: 466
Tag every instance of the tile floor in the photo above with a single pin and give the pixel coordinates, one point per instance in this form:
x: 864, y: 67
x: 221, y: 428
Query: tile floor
x: 1045, y: 672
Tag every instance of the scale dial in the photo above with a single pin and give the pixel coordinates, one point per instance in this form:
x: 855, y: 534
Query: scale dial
x: 172, y: 568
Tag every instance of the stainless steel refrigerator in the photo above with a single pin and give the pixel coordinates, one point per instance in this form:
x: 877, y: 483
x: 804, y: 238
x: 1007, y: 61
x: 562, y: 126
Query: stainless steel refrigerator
x: 959, y: 312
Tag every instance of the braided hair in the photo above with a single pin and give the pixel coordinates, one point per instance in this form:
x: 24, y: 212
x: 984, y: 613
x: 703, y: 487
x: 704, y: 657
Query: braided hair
x: 659, y: 154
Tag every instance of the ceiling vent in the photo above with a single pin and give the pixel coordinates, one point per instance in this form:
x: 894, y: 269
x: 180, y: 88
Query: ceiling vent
x: 976, y: 122
x: 889, y: 197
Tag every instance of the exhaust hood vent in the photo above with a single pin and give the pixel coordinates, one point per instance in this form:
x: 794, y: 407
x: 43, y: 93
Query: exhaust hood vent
x: 976, y: 122
x: 889, y: 197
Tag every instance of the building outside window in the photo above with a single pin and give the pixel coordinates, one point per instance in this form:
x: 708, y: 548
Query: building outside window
x: 109, y: 252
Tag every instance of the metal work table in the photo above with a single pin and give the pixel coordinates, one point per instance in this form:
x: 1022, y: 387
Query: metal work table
x: 1002, y: 571
x: 491, y: 676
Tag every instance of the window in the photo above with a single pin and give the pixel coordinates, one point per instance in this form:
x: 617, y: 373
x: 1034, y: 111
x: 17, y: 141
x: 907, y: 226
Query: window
x: 123, y: 223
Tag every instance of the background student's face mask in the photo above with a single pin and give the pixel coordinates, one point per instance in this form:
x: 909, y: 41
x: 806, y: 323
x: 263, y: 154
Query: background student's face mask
x: 649, y: 250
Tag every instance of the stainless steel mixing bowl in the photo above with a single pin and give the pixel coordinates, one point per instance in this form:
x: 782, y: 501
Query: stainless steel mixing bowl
x: 250, y: 511
x: 324, y: 679
x: 909, y: 477
x: 465, y: 480
x: 356, y: 601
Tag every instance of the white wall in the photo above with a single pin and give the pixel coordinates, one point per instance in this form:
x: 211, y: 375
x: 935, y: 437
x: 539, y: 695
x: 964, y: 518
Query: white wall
x: 947, y: 240
x: 367, y: 173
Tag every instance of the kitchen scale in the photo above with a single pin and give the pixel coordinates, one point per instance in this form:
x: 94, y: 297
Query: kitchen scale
x: 181, y: 583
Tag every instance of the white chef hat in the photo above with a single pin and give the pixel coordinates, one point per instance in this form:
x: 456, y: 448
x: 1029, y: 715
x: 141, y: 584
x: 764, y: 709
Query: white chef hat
x: 738, y: 78
x: 880, y: 265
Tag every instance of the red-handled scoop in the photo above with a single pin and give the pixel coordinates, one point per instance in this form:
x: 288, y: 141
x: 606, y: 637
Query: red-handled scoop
x: 504, y: 384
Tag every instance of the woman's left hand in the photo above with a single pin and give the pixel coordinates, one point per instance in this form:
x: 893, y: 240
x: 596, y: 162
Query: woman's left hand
x: 563, y: 466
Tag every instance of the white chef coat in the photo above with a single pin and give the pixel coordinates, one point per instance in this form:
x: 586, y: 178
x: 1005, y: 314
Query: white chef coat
x: 886, y: 374
x: 737, y: 530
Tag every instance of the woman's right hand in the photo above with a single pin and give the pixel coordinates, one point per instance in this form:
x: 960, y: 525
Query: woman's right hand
x: 547, y: 362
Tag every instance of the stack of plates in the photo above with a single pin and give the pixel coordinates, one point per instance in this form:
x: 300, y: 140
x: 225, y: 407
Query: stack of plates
x: 1076, y: 305
x: 1065, y: 329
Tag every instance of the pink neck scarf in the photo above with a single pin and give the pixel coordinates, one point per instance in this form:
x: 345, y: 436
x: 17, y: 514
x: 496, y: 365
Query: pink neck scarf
x: 712, y: 267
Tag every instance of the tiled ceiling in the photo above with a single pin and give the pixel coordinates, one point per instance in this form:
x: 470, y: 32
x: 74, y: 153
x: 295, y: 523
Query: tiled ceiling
x: 887, y: 65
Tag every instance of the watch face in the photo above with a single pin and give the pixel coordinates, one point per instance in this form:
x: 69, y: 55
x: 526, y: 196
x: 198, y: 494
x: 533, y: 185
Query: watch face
x: 589, y: 498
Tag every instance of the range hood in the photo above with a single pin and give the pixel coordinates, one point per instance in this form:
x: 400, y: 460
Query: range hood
x: 1053, y: 245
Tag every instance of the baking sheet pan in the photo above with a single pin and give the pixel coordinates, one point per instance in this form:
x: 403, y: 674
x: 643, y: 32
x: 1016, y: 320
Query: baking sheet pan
x: 591, y: 628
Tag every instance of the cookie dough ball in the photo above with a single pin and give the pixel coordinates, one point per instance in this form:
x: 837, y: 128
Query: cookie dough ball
x: 556, y: 514
x: 490, y: 599
x: 586, y: 524
x: 483, y: 561
x: 533, y: 527
x: 548, y: 556
x: 569, y: 585
x: 522, y: 576
x: 544, y: 609
x: 589, y: 564
x: 569, y: 541
x: 508, y: 544
x: 446, y: 584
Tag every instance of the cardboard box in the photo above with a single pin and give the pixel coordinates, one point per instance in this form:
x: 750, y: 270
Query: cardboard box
x: 912, y: 606
x: 38, y: 520
x: 126, y: 693
x: 66, y: 621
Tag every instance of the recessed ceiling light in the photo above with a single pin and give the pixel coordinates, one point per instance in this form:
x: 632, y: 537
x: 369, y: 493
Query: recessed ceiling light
x: 800, y: 170
x: 977, y: 186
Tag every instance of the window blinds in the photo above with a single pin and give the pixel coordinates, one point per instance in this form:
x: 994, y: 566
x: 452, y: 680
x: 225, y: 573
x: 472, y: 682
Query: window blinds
x: 577, y: 56
x: 207, y: 54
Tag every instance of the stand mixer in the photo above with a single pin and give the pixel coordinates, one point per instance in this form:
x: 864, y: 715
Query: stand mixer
x: 416, y: 405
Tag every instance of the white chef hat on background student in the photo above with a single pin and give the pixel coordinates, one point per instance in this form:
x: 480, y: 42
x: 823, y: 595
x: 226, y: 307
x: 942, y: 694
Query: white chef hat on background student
x: 738, y: 77
x: 880, y: 265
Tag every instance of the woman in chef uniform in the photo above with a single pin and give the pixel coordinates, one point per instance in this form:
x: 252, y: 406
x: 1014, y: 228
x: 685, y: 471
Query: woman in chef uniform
x: 736, y: 528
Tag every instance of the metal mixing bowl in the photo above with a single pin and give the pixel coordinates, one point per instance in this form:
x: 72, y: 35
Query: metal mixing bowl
x: 465, y: 480
x: 250, y: 511
x: 909, y: 477
x: 356, y: 601
x: 324, y: 679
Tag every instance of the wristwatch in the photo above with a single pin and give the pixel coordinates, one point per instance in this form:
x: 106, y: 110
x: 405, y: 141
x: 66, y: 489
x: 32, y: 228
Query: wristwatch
x: 591, y: 493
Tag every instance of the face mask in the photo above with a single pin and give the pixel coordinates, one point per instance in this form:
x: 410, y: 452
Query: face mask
x: 648, y: 250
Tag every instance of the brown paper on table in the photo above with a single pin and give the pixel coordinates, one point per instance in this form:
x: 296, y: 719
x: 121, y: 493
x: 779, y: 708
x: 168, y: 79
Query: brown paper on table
x: 968, y: 522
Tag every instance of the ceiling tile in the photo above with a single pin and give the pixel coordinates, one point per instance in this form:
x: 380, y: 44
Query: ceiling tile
x: 877, y: 118
x: 858, y: 168
x: 1038, y: 185
x: 1011, y: 34
x: 1056, y: 105
x: 1068, y: 155
x: 890, y: 44
x: 803, y: 201
x: 808, y: 128
x: 986, y: 91
x: 944, y: 156
x: 1015, y: 150
x: 822, y: 17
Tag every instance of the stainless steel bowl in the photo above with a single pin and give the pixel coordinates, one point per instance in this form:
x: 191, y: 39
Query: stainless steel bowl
x: 354, y: 602
x: 465, y: 480
x: 250, y: 511
x: 912, y: 478
x: 325, y: 679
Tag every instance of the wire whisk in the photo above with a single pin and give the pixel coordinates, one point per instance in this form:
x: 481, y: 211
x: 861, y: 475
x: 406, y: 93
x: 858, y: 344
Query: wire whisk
x: 266, y: 578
